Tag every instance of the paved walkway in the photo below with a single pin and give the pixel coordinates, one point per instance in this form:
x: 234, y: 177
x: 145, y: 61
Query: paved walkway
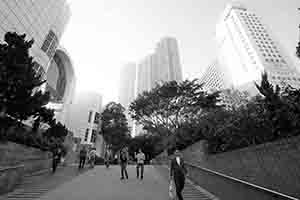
x: 101, y: 184
x: 105, y: 184
x: 36, y: 185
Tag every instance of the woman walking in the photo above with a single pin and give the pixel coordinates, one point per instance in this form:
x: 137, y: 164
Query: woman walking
x: 178, y: 173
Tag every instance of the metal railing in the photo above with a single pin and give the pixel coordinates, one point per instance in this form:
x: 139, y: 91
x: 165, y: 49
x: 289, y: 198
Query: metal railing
x: 242, y: 181
x: 6, y: 168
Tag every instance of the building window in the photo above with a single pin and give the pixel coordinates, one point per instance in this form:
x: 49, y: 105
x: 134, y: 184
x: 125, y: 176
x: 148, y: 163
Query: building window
x: 39, y: 69
x: 90, y: 116
x: 50, y: 44
x: 86, y: 134
x: 94, y: 136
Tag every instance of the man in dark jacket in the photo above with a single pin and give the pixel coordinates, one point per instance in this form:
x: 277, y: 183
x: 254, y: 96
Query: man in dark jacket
x: 56, y: 156
x: 82, y: 157
x: 178, y: 173
x: 123, y: 163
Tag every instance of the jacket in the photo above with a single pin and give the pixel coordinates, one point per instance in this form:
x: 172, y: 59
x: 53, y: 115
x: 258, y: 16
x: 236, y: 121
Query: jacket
x: 177, y: 170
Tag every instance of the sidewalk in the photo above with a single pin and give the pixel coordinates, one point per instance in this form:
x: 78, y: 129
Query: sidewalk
x: 105, y: 184
x: 37, y: 184
x: 191, y: 190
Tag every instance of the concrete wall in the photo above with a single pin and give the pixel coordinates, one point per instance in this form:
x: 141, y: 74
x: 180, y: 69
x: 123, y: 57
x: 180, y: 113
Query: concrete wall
x: 17, y: 160
x: 274, y: 166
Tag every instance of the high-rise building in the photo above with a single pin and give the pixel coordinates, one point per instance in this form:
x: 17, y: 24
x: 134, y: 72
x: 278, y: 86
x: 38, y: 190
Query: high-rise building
x: 144, y: 75
x: 247, y: 47
x: 127, y: 84
x: 61, y: 83
x: 127, y: 88
x: 161, y: 66
x: 44, y: 22
x: 168, y: 66
x: 83, y: 119
x: 215, y: 77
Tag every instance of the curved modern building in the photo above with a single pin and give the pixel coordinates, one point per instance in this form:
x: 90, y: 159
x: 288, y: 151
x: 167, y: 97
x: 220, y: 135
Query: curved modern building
x: 61, y: 83
x: 45, y: 22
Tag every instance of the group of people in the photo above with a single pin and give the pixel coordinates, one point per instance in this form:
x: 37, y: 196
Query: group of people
x: 124, y: 159
x: 178, y: 170
x: 89, y: 156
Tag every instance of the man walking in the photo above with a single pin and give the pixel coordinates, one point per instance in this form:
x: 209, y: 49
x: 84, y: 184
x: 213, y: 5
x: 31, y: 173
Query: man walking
x: 56, y: 156
x: 123, y: 163
x: 82, y: 158
x: 140, y: 164
x: 178, y: 173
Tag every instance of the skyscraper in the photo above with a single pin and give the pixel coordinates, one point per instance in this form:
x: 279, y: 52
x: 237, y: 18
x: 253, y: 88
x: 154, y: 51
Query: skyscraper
x: 127, y: 84
x: 168, y: 61
x: 247, y: 47
x: 127, y: 88
x: 160, y: 66
x: 163, y: 65
x: 43, y: 21
x: 144, y: 75
x: 215, y: 77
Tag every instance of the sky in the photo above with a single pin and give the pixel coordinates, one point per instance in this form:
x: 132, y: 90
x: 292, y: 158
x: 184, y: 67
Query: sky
x: 104, y: 35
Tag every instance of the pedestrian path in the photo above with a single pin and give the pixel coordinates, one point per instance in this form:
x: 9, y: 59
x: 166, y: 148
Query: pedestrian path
x: 105, y: 184
x: 34, y: 186
x: 102, y: 184
x: 191, y: 191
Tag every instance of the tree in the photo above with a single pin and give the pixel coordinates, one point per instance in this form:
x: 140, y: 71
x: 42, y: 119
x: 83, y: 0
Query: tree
x: 20, y: 96
x: 43, y: 115
x: 114, y: 126
x: 168, y: 106
x: 150, y: 145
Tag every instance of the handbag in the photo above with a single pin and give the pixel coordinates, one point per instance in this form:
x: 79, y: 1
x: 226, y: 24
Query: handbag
x: 172, y: 190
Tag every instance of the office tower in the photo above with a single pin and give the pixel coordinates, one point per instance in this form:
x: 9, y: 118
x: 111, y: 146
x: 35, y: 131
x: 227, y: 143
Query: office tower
x: 161, y: 66
x: 127, y: 88
x: 247, y: 47
x: 144, y: 82
x: 83, y: 119
x: 215, y: 77
x: 168, y: 61
x: 127, y: 84
x: 45, y: 22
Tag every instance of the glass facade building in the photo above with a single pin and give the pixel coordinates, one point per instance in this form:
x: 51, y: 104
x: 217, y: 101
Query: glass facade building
x: 41, y: 20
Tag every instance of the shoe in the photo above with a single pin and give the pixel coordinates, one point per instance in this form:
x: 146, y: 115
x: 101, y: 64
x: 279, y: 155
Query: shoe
x: 122, y: 178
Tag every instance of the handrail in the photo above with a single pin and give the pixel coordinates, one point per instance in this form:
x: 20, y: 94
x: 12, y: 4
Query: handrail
x: 243, y: 182
x: 11, y: 167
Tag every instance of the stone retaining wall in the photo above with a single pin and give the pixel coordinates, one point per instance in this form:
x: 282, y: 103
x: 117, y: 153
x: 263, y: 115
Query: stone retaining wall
x: 274, y: 165
x: 17, y: 160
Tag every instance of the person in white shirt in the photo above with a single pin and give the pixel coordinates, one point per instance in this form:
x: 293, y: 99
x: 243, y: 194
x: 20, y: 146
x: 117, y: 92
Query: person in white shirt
x: 140, y: 164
